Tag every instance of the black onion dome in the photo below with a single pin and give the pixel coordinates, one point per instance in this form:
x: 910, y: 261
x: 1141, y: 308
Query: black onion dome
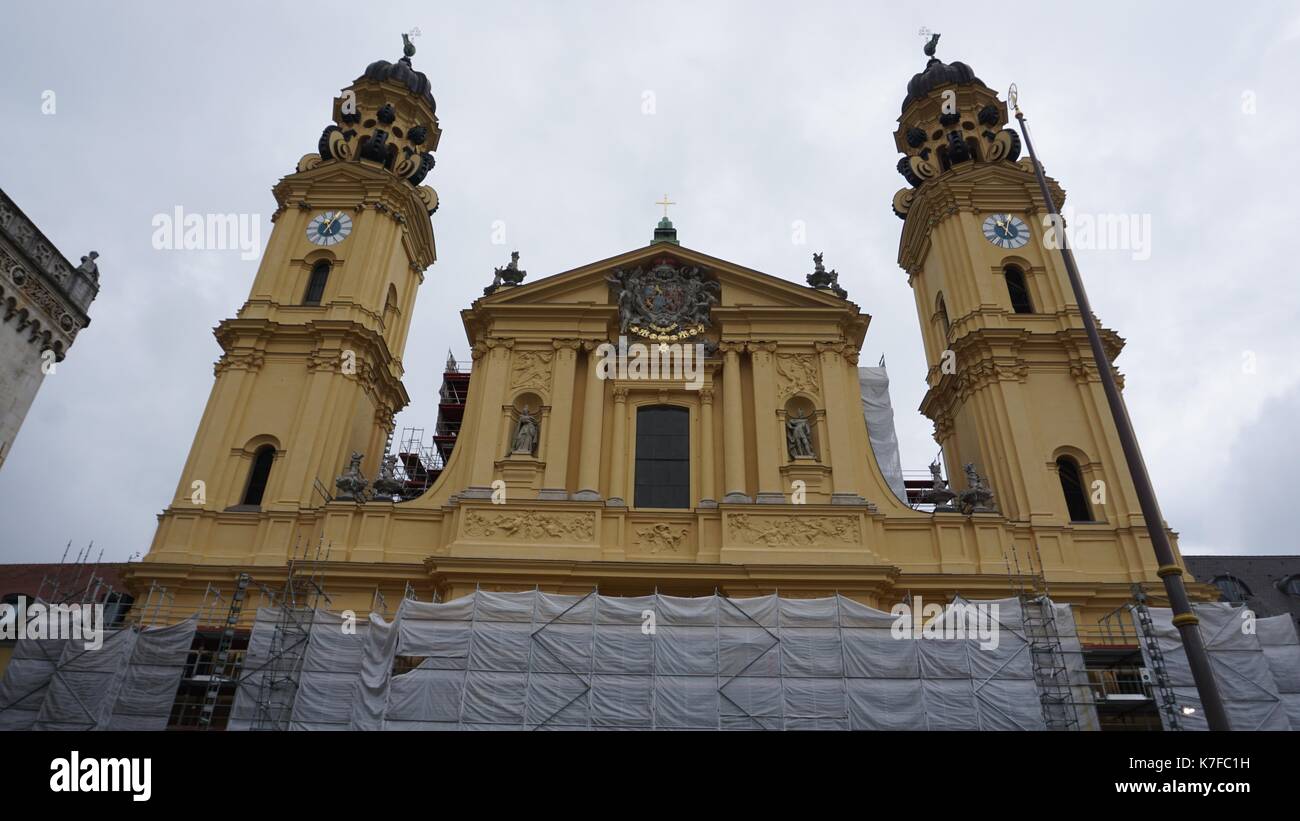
x: 938, y: 73
x: 401, y: 71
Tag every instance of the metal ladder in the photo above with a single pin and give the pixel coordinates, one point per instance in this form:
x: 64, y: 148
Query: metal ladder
x: 1168, y: 701
x: 220, y: 662
x: 1051, y: 673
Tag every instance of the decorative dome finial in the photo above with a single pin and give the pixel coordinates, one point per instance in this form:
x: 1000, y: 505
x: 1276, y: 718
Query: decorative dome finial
x: 408, y: 48
x: 930, y: 46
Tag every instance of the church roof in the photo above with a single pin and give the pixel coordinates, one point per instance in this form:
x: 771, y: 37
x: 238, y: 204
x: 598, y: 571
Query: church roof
x: 402, y: 72
x: 938, y: 73
x: 774, y: 290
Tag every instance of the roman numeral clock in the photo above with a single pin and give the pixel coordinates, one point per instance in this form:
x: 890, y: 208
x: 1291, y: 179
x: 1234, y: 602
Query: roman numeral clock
x: 1006, y: 231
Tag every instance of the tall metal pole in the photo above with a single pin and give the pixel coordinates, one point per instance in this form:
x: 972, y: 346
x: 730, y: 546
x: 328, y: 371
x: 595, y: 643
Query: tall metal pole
x: 1169, y: 571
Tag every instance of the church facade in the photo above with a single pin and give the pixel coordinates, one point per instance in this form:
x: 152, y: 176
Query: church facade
x: 662, y: 419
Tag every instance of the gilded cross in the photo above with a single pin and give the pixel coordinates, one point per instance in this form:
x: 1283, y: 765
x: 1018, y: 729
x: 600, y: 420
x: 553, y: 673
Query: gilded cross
x: 665, y: 202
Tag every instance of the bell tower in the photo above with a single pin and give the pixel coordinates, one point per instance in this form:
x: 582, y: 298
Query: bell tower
x: 311, y: 364
x: 1013, y: 388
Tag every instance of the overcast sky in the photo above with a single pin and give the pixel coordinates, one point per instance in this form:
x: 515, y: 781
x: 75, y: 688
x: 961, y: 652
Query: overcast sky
x: 764, y: 114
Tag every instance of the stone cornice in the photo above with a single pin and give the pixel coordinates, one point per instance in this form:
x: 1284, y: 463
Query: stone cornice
x: 987, y: 355
x: 44, y: 266
x: 319, y: 344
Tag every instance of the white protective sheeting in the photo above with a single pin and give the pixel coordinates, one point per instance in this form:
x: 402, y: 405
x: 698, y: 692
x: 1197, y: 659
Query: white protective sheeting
x: 311, y: 684
x: 1245, y: 680
x: 1067, y: 632
x: 128, y: 683
x: 534, y: 660
x: 26, y: 681
x: 1277, y: 638
x: 873, y: 387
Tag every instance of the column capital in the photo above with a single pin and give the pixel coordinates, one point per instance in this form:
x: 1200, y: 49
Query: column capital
x: 706, y: 396
x: 731, y: 347
x: 761, y: 347
x: 562, y: 345
x: 620, y: 395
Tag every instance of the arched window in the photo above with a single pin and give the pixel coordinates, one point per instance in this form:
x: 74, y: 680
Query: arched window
x: 1018, y: 289
x: 942, y: 310
x: 320, y: 273
x: 663, y: 457
x: 1232, y: 588
x: 1072, y: 486
x: 390, y: 307
x: 258, y: 475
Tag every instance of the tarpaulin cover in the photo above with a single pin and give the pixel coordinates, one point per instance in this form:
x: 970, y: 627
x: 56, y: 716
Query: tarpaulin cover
x: 128, y: 683
x: 534, y: 660
x: 873, y: 386
x: 1277, y: 639
x: 1237, y: 658
x: 1067, y: 632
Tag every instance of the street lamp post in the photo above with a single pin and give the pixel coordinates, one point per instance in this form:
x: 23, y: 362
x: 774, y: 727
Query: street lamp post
x: 1169, y: 571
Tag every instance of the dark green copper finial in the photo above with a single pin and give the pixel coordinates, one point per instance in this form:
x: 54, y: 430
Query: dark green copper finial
x: 930, y: 46
x: 408, y: 48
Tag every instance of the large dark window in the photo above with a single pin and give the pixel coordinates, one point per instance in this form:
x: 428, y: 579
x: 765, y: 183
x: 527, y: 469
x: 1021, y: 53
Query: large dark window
x: 663, y: 457
x: 320, y: 274
x: 260, y: 473
x: 1072, y: 486
x: 1018, y: 290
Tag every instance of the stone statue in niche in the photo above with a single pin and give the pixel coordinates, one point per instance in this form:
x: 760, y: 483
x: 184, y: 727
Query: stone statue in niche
x: 526, y: 431
x: 798, y: 437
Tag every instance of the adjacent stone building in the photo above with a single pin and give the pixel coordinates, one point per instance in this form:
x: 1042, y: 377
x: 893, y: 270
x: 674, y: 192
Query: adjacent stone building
x: 43, y: 304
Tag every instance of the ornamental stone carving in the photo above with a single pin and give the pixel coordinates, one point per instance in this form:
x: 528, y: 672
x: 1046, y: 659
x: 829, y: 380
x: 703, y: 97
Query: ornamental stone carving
x: 662, y: 537
x: 977, y: 497
x: 793, y: 531
x: 530, y: 525
x: 796, y: 373
x: 531, y: 371
x: 668, y: 303
x: 351, y: 484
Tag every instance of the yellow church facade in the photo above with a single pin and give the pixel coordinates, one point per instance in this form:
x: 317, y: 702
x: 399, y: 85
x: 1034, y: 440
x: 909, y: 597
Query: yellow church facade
x: 753, y: 474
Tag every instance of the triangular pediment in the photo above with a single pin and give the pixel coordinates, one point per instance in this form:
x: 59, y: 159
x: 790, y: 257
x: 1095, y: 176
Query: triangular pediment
x: 740, y: 286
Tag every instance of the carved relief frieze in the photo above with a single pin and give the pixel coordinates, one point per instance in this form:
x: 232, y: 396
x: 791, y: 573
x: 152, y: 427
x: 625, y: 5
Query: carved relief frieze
x: 531, y: 370
x: 793, y: 531
x: 662, y: 537
x: 530, y: 525
x: 796, y: 373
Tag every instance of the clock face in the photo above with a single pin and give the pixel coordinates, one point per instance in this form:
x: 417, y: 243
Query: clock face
x: 329, y: 228
x: 1006, y: 231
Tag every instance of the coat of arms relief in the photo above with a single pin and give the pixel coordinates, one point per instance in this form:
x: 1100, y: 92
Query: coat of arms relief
x: 670, y: 302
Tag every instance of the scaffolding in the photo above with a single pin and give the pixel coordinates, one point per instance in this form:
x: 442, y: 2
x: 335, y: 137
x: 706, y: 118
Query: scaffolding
x: 296, y: 608
x: 1166, y: 699
x: 222, y: 672
x: 1051, y: 669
